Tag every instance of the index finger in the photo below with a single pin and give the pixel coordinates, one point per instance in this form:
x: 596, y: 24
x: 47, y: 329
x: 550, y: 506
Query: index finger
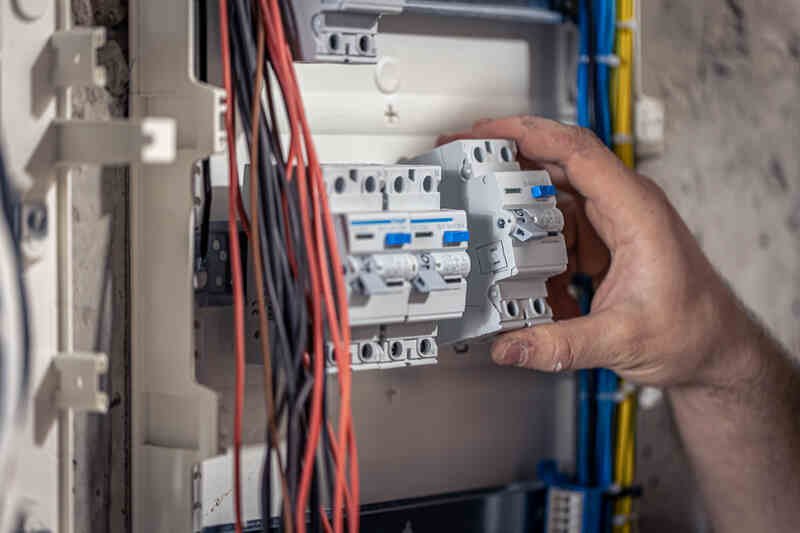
x: 594, y: 171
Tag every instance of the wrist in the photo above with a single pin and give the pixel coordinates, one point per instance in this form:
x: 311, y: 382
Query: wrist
x: 735, y: 357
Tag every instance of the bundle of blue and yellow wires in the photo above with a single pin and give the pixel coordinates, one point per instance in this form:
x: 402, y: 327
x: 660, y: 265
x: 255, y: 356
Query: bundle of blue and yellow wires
x: 606, y: 429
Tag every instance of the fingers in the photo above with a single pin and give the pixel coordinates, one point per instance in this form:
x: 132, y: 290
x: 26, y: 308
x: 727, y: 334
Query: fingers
x: 560, y: 299
x: 591, y: 254
x: 591, y: 341
x: 569, y: 207
x: 591, y: 168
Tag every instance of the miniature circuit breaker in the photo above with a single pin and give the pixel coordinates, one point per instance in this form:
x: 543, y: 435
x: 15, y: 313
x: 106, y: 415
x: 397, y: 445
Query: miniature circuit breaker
x: 405, y: 260
x: 338, y: 31
x: 516, y: 242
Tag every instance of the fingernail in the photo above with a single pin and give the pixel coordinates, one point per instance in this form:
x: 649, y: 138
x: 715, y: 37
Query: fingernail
x: 513, y: 353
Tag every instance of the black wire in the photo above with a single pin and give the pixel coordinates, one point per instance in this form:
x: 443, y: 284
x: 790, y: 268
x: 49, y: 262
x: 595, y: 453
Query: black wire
x: 287, y: 283
x: 11, y: 207
x: 288, y: 293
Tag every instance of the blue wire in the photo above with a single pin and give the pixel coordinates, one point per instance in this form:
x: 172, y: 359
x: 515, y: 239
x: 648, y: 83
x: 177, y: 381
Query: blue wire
x: 603, y: 20
x: 584, y: 111
x: 603, y: 16
x: 586, y: 388
x: 584, y: 377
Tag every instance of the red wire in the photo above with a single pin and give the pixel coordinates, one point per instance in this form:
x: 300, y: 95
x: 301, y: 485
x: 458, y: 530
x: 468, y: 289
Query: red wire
x: 323, y: 235
x: 236, y: 262
x: 295, y: 163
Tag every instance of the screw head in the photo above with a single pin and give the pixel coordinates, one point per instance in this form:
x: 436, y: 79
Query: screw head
x: 466, y: 170
x: 501, y: 223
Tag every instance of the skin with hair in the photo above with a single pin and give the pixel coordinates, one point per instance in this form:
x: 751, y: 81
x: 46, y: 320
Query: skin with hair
x: 663, y: 316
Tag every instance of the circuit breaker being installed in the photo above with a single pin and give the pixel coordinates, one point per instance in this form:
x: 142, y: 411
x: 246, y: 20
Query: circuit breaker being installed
x: 516, y: 243
x: 419, y: 275
x: 405, y: 260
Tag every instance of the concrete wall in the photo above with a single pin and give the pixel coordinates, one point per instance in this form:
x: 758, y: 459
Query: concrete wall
x: 729, y: 72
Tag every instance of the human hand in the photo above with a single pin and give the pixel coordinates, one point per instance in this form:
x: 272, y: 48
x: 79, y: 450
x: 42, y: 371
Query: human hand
x: 661, y: 314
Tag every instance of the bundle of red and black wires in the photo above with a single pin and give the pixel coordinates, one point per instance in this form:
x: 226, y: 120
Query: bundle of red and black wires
x: 301, y: 295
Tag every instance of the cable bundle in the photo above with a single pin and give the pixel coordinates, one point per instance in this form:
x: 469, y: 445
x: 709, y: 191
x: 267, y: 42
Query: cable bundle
x: 301, y: 295
x: 605, y: 85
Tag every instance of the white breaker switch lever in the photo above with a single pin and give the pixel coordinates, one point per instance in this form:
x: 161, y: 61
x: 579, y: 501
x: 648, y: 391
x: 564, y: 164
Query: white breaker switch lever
x: 516, y: 243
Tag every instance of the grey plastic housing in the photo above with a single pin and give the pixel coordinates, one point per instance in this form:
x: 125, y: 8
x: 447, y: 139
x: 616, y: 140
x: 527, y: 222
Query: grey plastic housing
x: 338, y: 31
x: 516, y: 243
x: 405, y: 259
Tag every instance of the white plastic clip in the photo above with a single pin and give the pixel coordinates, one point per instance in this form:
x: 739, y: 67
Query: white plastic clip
x: 623, y: 138
x: 110, y: 142
x: 78, y: 387
x: 628, y: 24
x: 76, y: 57
x: 610, y: 60
x: 617, y: 396
x: 620, y: 520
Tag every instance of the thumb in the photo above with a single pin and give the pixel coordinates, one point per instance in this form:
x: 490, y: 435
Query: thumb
x: 592, y: 341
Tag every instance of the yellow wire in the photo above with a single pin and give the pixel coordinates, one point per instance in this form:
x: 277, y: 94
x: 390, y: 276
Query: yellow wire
x: 622, y: 86
x: 622, y: 113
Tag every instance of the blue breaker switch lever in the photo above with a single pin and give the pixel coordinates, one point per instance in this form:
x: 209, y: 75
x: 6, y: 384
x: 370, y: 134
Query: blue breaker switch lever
x: 395, y: 240
x: 455, y: 237
x: 543, y: 191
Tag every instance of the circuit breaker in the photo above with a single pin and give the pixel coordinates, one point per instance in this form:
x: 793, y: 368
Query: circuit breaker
x: 338, y: 31
x: 516, y: 242
x: 405, y: 260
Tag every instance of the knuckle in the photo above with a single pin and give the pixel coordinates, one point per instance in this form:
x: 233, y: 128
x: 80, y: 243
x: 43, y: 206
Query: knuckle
x: 583, y: 139
x: 654, y: 190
